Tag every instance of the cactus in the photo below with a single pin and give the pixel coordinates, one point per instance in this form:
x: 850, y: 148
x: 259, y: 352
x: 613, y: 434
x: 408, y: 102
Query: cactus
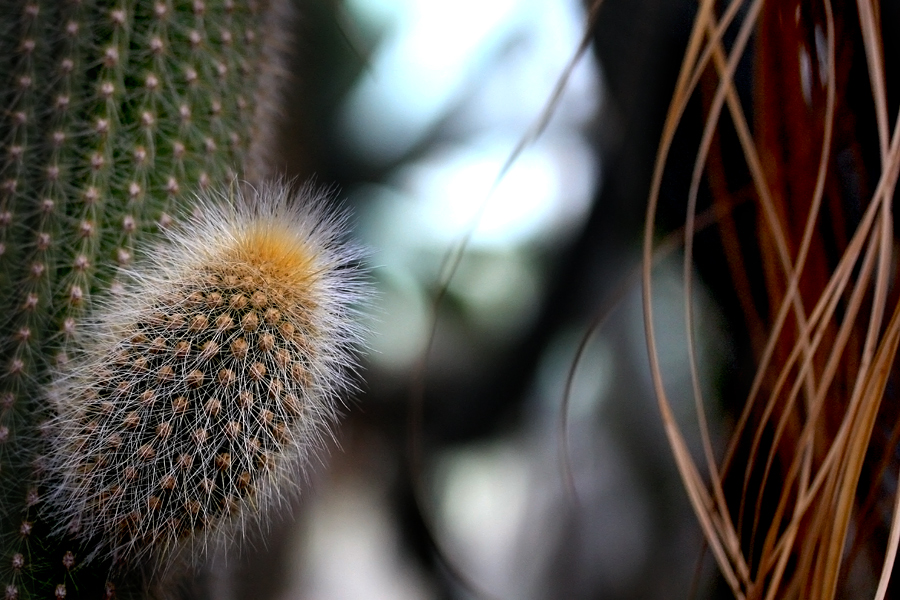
x: 114, y: 116
x: 209, y: 377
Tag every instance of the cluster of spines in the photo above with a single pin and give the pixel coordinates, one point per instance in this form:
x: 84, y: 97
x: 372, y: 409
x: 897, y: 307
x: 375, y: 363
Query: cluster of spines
x: 211, y: 376
x: 182, y: 424
x: 111, y: 115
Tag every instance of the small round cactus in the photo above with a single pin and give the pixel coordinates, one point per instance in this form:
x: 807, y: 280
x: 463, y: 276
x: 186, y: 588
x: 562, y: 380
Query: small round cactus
x: 206, y: 379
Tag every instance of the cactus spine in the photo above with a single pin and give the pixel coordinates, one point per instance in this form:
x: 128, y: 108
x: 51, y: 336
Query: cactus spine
x: 207, y: 380
x: 112, y: 115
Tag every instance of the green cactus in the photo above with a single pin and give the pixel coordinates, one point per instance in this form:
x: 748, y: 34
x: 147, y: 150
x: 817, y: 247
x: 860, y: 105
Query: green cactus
x: 113, y: 115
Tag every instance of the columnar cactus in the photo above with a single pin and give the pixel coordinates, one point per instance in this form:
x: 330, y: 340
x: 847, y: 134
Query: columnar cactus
x: 114, y: 115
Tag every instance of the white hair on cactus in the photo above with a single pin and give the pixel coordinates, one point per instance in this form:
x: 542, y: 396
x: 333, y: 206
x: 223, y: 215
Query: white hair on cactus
x: 198, y: 390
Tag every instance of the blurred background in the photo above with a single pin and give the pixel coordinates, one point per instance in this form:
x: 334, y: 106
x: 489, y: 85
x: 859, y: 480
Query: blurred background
x: 411, y: 109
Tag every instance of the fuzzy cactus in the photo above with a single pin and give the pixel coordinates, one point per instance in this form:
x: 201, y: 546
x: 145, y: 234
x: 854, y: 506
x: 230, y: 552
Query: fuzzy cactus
x: 114, y: 116
x: 207, y: 379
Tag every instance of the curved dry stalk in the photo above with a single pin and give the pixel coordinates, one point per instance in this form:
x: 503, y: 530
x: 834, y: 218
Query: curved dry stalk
x: 891, y: 554
x: 821, y: 444
x: 722, y: 538
x: 872, y: 45
x: 725, y: 87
